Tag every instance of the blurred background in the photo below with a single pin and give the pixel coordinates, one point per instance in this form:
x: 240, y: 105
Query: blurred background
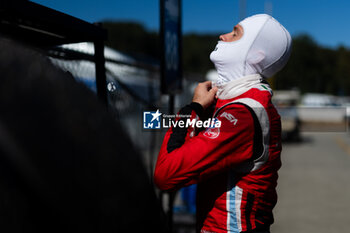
x: 312, y: 93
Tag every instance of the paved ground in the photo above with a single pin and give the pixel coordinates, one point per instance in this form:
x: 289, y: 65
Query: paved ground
x: 314, y: 185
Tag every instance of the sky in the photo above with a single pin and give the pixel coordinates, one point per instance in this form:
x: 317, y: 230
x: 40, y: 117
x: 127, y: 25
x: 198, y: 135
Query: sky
x: 325, y: 21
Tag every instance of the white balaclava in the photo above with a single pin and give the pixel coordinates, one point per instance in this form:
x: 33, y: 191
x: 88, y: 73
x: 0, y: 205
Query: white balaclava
x: 263, y: 49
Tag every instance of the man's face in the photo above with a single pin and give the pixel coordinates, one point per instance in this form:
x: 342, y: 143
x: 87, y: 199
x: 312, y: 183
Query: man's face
x: 236, y: 34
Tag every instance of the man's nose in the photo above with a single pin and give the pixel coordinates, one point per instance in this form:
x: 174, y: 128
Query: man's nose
x: 223, y: 37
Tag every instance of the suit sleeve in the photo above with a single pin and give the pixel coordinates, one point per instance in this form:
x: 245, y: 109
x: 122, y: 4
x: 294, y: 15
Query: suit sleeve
x: 186, y: 158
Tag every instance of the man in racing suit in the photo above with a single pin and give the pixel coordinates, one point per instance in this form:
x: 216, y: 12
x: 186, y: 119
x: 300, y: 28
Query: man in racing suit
x: 235, y: 164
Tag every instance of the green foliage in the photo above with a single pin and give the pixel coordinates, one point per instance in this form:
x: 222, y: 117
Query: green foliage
x: 196, y: 51
x: 311, y: 68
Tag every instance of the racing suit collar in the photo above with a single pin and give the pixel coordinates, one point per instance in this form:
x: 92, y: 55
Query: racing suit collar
x: 239, y: 86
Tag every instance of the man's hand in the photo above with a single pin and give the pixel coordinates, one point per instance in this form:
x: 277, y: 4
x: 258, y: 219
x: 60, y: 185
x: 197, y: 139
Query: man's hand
x: 204, y: 94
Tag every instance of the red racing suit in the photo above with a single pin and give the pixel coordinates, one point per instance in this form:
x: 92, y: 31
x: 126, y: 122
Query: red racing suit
x: 235, y: 166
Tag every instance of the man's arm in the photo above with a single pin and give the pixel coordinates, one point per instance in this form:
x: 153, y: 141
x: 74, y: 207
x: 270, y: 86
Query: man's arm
x: 203, y: 97
x: 184, y: 160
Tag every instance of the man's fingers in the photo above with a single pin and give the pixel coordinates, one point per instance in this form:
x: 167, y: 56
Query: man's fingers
x: 213, y: 90
x: 207, y: 84
x: 204, y: 94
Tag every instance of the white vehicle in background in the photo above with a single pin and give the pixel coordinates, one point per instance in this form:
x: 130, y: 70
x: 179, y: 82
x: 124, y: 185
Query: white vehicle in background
x: 345, y: 102
x: 286, y: 102
x: 323, y: 113
x: 319, y: 100
x: 319, y: 107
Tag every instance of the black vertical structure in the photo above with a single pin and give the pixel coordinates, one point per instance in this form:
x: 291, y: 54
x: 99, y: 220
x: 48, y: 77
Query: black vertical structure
x: 171, y: 65
x: 44, y: 28
x: 171, y: 48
